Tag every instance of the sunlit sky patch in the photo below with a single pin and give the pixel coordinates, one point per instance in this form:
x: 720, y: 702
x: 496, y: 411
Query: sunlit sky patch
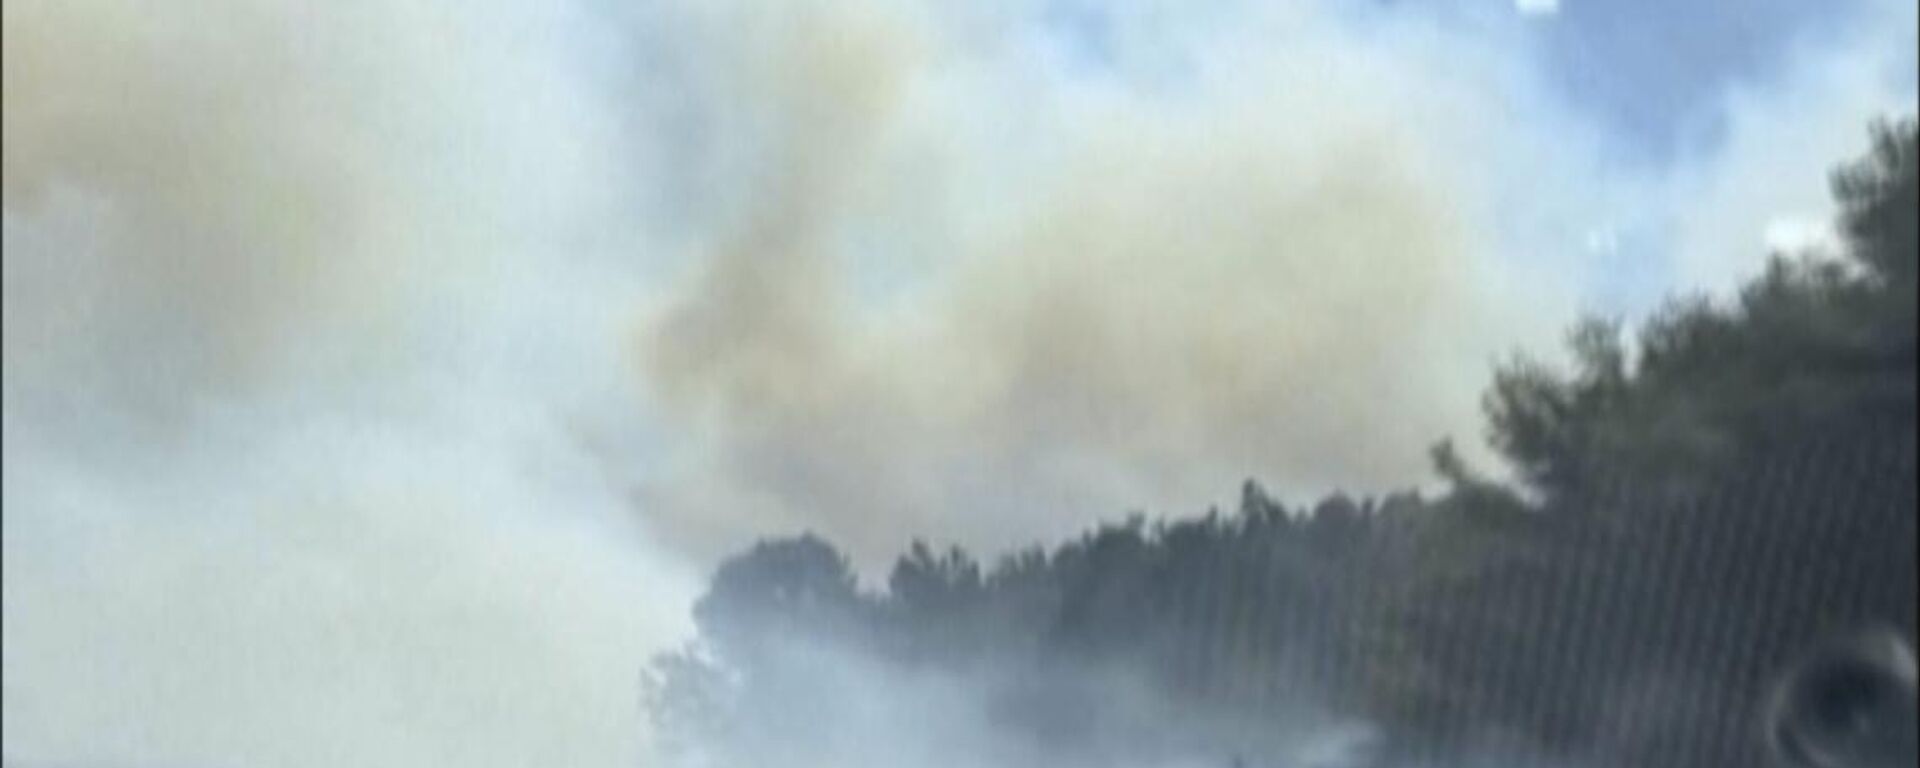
x: 1537, y: 7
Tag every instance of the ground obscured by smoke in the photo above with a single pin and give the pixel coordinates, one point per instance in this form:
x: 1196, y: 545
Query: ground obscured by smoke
x: 380, y: 378
x: 1005, y: 713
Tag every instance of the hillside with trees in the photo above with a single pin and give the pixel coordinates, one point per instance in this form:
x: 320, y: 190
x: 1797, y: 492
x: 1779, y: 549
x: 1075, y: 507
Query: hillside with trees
x: 1693, y: 506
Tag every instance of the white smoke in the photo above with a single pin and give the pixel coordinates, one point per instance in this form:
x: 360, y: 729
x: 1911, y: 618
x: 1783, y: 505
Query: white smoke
x: 380, y: 377
x: 308, y: 401
x: 920, y: 321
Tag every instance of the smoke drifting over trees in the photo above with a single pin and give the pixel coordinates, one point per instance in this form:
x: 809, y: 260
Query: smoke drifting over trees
x: 1689, y: 514
x: 384, y: 379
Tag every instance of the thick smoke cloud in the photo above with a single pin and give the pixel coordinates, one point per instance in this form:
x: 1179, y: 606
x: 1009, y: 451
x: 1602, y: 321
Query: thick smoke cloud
x: 957, y: 300
x: 304, y: 313
x: 380, y: 378
x: 1141, y: 300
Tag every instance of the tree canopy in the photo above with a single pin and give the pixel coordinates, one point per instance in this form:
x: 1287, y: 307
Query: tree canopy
x: 1691, y: 508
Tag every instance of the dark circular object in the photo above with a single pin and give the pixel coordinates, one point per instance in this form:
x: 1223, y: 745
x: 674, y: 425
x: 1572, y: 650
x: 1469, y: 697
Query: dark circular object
x: 1850, y: 704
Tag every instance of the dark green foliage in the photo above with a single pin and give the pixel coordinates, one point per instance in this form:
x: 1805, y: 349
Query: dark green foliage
x: 776, y: 591
x: 1877, y: 198
x: 1695, y: 510
x: 1811, y: 345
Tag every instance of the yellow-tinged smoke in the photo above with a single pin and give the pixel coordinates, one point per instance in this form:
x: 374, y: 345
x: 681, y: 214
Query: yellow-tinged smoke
x: 1284, y: 279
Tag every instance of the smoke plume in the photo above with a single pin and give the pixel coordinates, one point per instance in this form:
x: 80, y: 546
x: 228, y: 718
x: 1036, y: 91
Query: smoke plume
x: 381, y: 377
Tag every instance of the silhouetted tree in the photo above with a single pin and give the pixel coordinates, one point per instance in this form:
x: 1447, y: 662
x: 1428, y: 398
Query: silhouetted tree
x: 1693, y: 509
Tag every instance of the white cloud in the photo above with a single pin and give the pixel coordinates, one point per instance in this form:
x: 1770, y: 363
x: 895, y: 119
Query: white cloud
x: 1537, y: 7
x: 1603, y: 241
x: 1792, y: 235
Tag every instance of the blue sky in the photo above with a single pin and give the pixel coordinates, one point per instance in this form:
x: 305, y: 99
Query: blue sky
x: 1652, y: 71
x: 1652, y: 84
x: 1656, y: 77
x: 335, y: 332
x: 1649, y: 71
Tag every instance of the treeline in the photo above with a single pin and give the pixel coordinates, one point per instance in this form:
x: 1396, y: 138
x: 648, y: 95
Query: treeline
x: 1692, y: 510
